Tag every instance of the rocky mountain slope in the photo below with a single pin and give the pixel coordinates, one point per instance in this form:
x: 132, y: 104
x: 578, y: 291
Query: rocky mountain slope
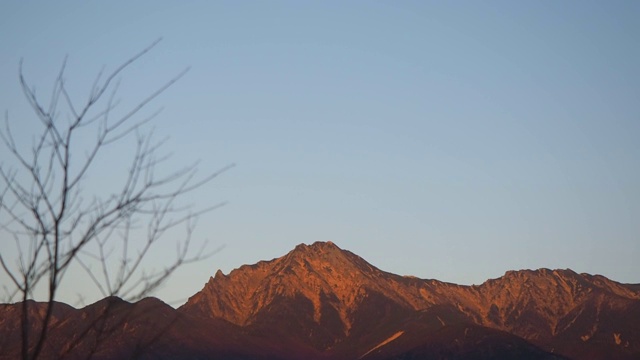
x: 322, y: 302
x: 331, y: 299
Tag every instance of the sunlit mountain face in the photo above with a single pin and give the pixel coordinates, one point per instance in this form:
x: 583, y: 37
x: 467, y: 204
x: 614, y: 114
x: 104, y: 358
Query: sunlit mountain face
x: 322, y: 302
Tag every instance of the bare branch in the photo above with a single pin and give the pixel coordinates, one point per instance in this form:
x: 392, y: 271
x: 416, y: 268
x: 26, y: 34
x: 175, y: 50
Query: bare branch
x: 58, y: 221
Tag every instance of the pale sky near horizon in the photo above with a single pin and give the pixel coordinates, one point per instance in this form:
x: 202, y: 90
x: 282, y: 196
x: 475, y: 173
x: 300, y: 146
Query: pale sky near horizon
x: 452, y: 140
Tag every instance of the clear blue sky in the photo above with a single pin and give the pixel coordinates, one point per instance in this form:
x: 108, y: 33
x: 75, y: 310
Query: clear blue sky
x: 453, y: 140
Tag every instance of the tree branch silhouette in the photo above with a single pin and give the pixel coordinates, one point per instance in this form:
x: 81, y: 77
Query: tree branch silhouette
x: 56, y: 222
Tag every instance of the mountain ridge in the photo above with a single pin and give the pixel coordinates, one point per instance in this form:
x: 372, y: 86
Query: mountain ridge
x: 537, y: 305
x: 319, y: 301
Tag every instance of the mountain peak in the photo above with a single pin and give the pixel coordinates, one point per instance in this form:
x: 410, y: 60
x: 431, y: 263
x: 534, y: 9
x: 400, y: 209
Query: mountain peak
x: 321, y: 259
x: 316, y: 247
x: 313, y: 272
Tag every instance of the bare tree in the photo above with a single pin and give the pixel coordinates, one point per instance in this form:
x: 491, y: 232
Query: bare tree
x: 57, y: 222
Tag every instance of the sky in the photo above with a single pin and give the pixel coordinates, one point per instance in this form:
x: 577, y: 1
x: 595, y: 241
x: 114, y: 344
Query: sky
x: 450, y: 140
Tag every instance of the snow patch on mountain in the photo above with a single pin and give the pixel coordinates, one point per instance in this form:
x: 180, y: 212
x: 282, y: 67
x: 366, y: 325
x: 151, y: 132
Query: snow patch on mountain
x: 390, y: 339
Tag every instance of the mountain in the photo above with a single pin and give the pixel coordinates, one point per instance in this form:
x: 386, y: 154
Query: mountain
x: 334, y: 302
x: 322, y: 302
x: 115, y: 329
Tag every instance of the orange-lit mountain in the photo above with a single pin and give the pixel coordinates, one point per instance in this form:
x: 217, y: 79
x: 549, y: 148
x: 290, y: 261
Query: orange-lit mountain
x: 322, y: 302
x: 334, y: 301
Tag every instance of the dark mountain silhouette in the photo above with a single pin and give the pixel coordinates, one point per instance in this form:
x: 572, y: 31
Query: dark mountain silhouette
x: 322, y: 302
